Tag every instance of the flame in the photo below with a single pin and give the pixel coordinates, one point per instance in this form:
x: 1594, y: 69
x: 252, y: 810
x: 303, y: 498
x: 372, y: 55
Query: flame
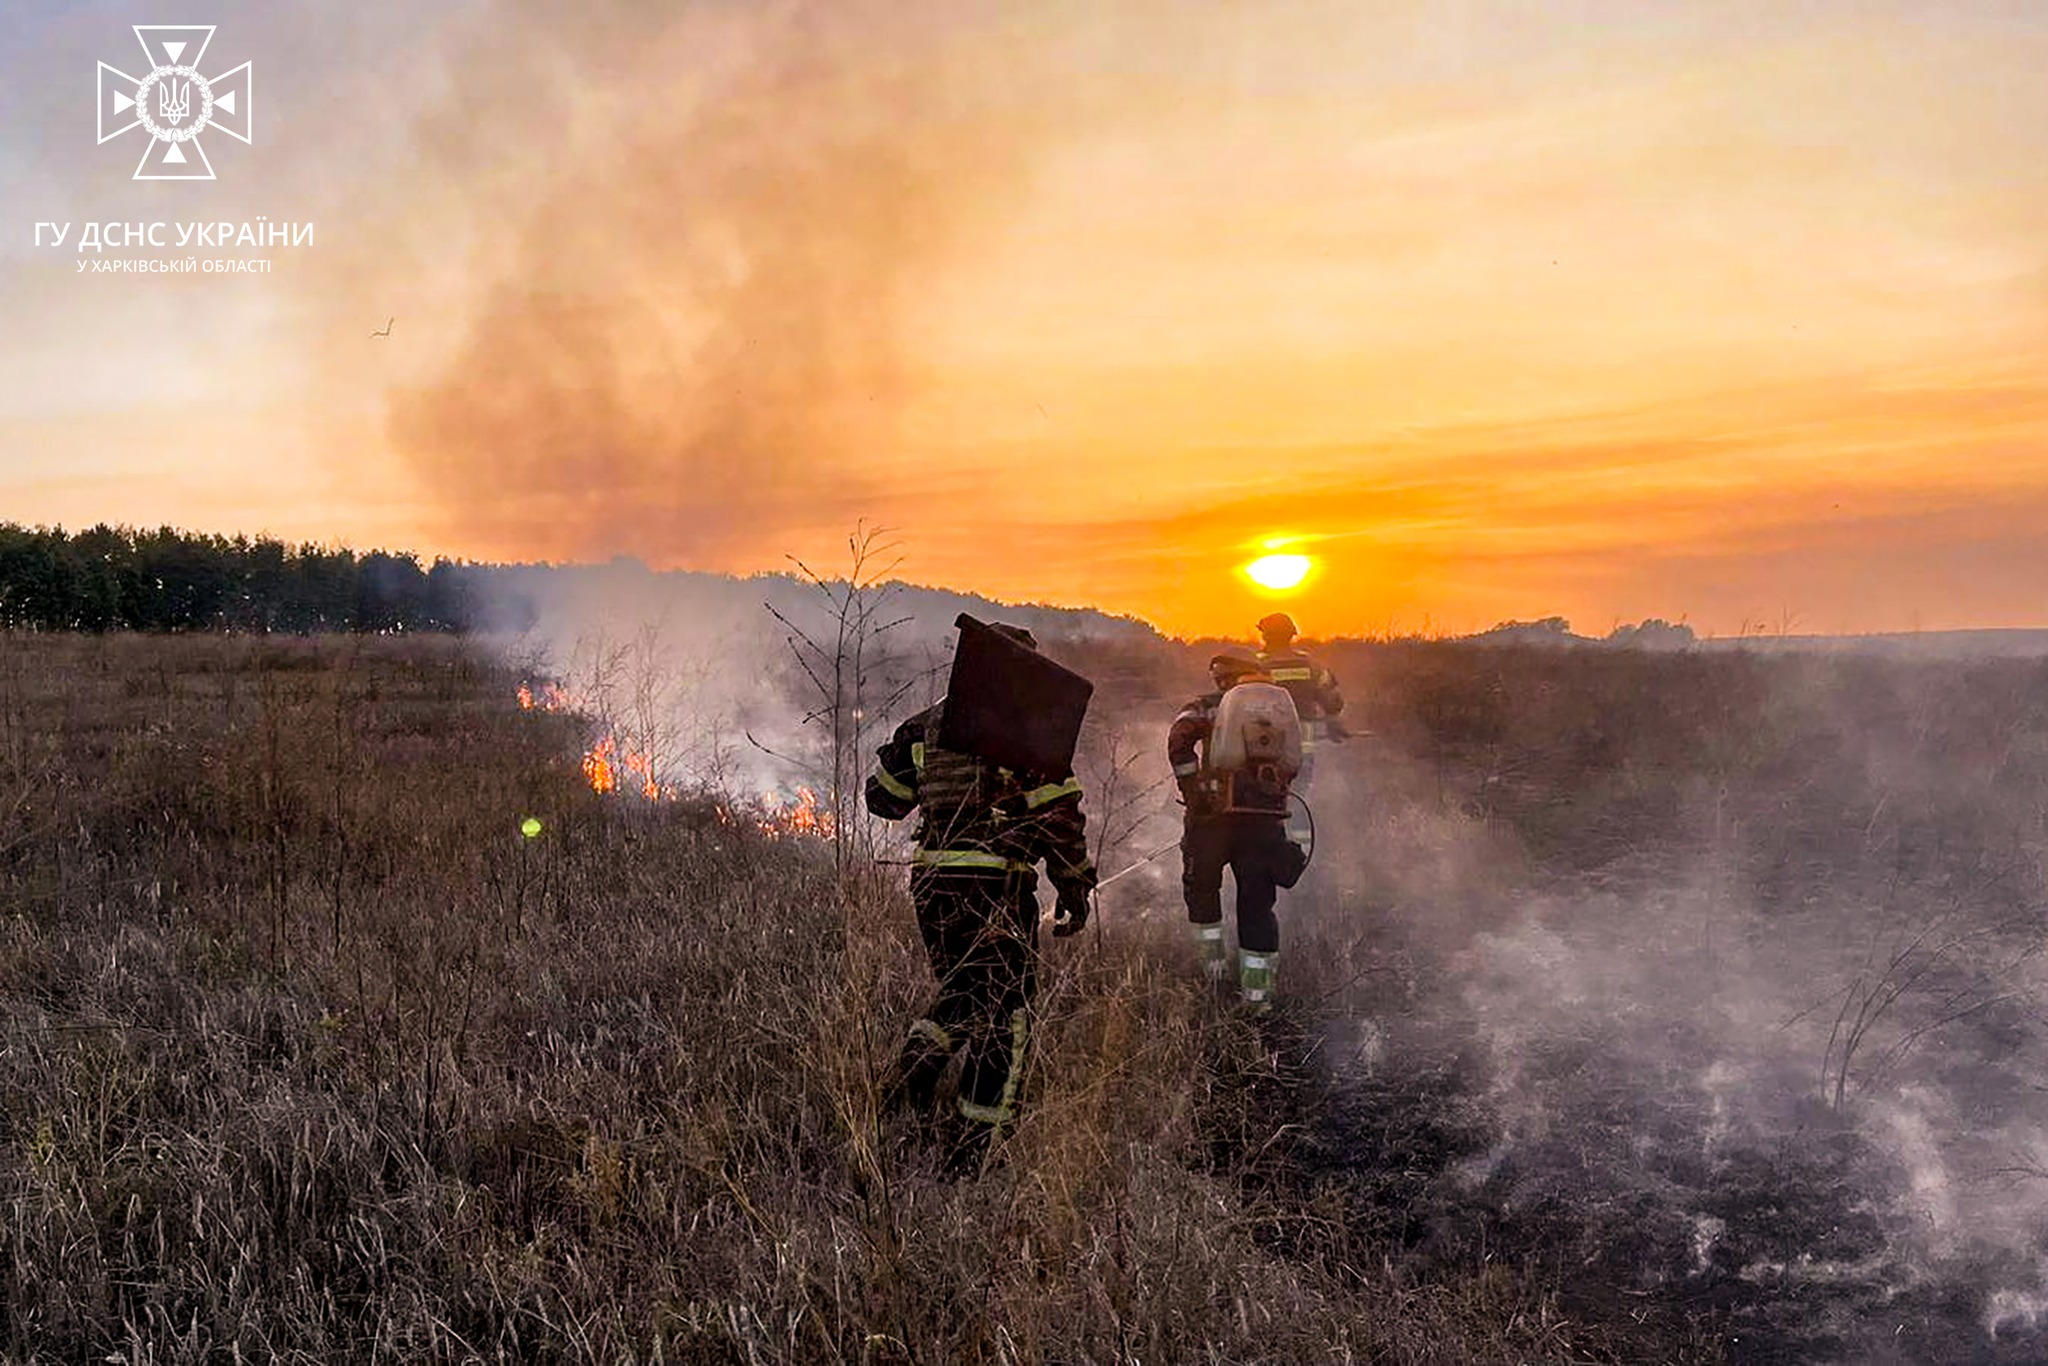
x: 597, y: 766
x: 551, y: 697
x: 801, y: 816
x: 642, y: 767
x: 614, y: 765
x: 603, y: 761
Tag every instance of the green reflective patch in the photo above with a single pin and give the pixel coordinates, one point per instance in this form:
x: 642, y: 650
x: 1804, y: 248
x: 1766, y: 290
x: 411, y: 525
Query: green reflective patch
x: 1052, y: 792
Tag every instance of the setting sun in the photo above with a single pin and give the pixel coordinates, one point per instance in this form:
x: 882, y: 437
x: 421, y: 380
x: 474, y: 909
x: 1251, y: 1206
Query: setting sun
x: 1279, y: 572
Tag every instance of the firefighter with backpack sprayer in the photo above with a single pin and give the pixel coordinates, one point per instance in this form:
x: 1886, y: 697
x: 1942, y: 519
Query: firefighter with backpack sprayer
x: 1316, y: 700
x: 1235, y: 753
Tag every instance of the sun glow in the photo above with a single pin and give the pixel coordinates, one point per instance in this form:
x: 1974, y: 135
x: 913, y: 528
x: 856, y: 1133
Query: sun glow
x: 1280, y: 573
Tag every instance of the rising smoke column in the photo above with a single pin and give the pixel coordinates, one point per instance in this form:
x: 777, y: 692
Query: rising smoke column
x: 694, y: 244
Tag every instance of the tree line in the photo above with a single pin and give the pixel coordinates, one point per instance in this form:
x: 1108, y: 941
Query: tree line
x: 123, y: 579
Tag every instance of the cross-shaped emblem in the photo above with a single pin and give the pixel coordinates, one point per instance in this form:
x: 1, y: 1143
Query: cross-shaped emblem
x: 174, y: 104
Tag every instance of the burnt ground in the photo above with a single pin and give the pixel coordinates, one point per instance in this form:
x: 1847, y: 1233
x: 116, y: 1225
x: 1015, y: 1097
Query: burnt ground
x: 1774, y: 1242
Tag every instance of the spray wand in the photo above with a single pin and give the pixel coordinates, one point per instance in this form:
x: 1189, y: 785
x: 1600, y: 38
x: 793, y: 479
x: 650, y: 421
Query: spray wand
x: 1149, y: 858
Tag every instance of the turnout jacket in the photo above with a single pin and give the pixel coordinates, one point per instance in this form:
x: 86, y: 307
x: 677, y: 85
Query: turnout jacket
x: 976, y: 816
x: 1189, y: 732
x: 1313, y: 688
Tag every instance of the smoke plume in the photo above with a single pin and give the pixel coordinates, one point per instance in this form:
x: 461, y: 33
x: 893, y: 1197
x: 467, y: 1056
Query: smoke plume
x: 692, y: 244
x: 1718, y: 980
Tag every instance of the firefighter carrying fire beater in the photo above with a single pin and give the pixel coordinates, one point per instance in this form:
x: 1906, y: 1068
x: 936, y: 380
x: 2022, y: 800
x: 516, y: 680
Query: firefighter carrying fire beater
x: 973, y: 883
x: 1235, y: 752
x: 1316, y: 700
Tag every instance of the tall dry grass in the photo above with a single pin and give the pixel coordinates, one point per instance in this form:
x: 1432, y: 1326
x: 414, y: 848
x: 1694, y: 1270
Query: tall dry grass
x: 306, y: 1054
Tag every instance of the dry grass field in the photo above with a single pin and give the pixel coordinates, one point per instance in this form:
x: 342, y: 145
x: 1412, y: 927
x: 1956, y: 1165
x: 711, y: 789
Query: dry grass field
x: 1612, y: 1006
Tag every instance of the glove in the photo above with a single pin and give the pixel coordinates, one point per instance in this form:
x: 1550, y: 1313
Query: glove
x: 1070, y: 912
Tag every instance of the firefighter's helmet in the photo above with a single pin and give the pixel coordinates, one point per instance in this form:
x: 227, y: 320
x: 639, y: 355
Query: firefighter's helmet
x: 1228, y: 668
x: 1279, y: 626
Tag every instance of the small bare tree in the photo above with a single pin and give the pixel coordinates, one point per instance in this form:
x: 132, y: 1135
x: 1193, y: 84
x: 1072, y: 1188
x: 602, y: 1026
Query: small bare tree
x: 851, y: 677
x: 654, y: 706
x: 1943, y: 967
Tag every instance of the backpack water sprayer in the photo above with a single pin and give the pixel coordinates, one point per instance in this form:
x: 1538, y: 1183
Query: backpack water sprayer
x: 1254, y: 749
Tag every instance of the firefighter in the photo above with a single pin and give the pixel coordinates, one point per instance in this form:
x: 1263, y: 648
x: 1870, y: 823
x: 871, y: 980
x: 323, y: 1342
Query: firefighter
x: 1316, y: 699
x: 1235, y: 821
x: 974, y: 883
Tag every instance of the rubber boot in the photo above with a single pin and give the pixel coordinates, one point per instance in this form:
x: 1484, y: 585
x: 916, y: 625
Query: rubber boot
x: 1255, y: 974
x: 1212, y: 952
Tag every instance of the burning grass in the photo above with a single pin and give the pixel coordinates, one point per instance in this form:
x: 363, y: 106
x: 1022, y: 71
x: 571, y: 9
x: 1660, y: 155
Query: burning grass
x: 616, y: 763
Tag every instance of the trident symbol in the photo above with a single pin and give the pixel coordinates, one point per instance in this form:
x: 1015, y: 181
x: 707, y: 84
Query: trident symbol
x: 171, y: 108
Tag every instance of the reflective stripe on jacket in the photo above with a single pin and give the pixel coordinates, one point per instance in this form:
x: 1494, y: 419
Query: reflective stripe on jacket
x: 977, y: 816
x: 1313, y: 688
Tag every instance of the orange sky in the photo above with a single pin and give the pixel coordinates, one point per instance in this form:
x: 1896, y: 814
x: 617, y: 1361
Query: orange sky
x: 1629, y: 310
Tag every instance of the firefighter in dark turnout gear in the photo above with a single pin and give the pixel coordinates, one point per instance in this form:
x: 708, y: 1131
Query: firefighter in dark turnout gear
x: 974, y: 883
x: 1317, y: 701
x: 1243, y: 830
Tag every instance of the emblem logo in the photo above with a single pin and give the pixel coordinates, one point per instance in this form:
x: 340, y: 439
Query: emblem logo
x: 174, y: 103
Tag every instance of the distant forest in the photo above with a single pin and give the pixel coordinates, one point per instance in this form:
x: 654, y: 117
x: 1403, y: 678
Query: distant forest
x: 118, y: 579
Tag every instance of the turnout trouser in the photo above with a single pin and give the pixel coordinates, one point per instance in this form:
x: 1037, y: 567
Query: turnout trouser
x: 1257, y: 852
x: 1298, y: 829
x: 980, y: 934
